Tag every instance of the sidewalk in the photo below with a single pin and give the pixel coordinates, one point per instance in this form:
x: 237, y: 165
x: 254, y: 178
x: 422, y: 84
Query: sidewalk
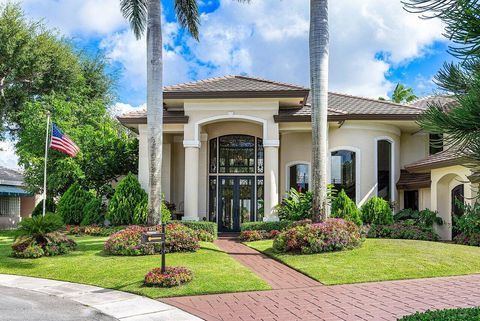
x: 120, y: 305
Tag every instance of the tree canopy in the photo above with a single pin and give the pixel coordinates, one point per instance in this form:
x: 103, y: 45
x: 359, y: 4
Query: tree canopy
x: 403, y: 94
x: 40, y: 72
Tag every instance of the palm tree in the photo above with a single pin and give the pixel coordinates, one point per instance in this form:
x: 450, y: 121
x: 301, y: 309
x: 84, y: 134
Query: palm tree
x: 403, y: 94
x: 147, y: 14
x: 319, y: 42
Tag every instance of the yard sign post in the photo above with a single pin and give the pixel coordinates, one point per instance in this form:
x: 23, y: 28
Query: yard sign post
x: 153, y: 237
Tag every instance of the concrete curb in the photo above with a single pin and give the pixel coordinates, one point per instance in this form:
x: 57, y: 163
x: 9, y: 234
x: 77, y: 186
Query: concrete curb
x: 121, y: 305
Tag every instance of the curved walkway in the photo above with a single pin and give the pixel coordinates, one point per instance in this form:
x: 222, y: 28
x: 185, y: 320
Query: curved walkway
x: 119, y: 305
x: 366, y: 301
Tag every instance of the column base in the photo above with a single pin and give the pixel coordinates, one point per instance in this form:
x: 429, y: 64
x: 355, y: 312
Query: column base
x: 271, y: 219
x: 191, y: 218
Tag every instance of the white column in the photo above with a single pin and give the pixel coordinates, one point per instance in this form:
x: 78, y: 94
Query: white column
x: 271, y: 180
x: 192, y: 151
x: 202, y: 176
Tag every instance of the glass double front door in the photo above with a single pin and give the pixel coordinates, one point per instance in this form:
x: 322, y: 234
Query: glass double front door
x: 236, y: 202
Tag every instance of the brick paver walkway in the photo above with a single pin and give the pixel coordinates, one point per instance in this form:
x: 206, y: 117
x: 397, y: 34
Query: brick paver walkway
x: 278, y: 275
x: 366, y: 301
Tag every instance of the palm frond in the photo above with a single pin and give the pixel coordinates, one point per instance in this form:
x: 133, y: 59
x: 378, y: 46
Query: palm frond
x: 188, y: 16
x: 135, y: 11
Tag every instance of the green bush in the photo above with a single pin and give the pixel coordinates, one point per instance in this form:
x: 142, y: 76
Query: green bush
x: 424, y: 218
x: 295, y: 206
x: 466, y: 314
x: 344, y: 207
x: 377, y: 211
x: 402, y: 231
x: 209, y: 227
x: 140, y: 216
x: 71, y: 204
x: 50, y: 207
x: 469, y: 222
x: 38, y: 227
x: 92, y: 212
x: 127, y: 205
x: 265, y: 226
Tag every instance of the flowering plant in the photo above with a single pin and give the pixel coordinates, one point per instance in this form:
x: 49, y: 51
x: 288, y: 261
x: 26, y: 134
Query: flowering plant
x: 331, y: 235
x: 173, y: 276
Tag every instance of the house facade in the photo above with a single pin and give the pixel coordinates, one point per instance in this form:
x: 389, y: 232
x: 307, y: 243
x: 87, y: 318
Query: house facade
x: 15, y: 202
x: 234, y: 145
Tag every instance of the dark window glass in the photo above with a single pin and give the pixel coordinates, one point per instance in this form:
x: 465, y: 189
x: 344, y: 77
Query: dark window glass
x: 260, y: 207
x: 213, y: 155
x: 212, y: 199
x: 343, y: 172
x: 384, y: 169
x: 435, y: 143
x: 299, y: 177
x: 259, y: 155
x: 236, y: 154
x: 410, y: 200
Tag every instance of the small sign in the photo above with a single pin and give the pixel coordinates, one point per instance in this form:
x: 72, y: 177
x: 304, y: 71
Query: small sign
x: 153, y: 237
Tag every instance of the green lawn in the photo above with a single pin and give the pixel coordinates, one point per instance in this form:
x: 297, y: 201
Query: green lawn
x: 382, y: 259
x: 214, y: 271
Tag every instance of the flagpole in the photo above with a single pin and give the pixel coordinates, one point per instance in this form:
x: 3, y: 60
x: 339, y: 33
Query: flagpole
x: 45, y: 165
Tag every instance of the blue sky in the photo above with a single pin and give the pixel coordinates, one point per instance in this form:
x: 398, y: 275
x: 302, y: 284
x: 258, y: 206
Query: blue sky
x: 374, y: 44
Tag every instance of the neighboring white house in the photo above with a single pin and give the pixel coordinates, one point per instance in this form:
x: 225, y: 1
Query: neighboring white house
x: 15, y: 202
x: 234, y: 145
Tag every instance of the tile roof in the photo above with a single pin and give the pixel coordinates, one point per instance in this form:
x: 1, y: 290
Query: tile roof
x: 140, y: 117
x: 445, y: 101
x: 409, y: 180
x: 10, y: 177
x: 445, y: 158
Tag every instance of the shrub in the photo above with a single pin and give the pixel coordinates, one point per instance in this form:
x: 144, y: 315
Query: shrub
x: 50, y: 207
x: 173, y: 276
x: 376, y: 211
x: 424, y: 218
x: 179, y: 238
x: 331, y: 235
x: 204, y: 236
x: 71, y: 204
x: 295, y: 206
x: 465, y: 314
x: 472, y: 239
x: 31, y: 251
x: 265, y: 226
x: 209, y: 227
x: 54, y: 243
x: 93, y: 230
x: 254, y: 235
x: 92, y: 212
x: 38, y: 227
x: 344, y: 207
x: 469, y: 222
x: 402, y: 231
x: 140, y: 214
x: 128, y: 203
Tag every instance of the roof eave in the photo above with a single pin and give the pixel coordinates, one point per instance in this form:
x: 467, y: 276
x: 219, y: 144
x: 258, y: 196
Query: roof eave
x: 236, y: 94
x: 143, y: 120
x: 307, y: 118
x: 434, y: 165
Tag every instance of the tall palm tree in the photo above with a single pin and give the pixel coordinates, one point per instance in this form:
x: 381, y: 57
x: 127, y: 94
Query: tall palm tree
x: 319, y: 42
x: 403, y: 94
x: 147, y: 14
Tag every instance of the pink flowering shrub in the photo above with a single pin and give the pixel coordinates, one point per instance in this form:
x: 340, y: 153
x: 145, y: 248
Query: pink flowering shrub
x: 250, y: 236
x: 331, y: 235
x: 128, y: 242
x: 173, y: 276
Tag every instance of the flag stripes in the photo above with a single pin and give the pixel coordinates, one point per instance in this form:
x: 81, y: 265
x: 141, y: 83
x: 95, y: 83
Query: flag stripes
x: 62, y: 142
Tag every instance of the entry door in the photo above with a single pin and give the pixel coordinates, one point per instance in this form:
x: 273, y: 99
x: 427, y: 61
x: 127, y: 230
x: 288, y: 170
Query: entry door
x: 457, y: 197
x: 236, y: 202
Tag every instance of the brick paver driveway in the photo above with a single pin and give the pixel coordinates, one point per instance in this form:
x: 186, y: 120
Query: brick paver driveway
x: 309, y: 300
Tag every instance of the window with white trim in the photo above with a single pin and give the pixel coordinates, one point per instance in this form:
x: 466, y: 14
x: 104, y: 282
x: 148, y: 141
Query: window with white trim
x: 343, y: 172
x: 384, y: 169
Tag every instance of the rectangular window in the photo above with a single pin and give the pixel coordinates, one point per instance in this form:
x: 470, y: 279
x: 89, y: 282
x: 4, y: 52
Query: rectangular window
x: 9, y: 206
x: 259, y: 155
x: 436, y: 143
x: 213, y: 155
x: 410, y: 200
x: 384, y: 169
x: 260, y: 191
x: 212, y: 199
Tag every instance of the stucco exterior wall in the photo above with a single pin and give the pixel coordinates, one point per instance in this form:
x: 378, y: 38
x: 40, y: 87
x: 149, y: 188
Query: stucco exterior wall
x: 413, y: 147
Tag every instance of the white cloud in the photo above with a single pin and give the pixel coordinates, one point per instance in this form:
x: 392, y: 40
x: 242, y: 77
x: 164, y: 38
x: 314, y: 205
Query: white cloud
x: 8, y: 158
x: 122, y: 108
x: 269, y: 38
x: 77, y: 16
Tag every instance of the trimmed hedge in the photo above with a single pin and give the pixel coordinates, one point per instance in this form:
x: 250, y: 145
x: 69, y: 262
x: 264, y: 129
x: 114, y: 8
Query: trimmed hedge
x: 210, y: 227
x: 467, y: 314
x: 402, y: 231
x: 377, y: 211
x: 265, y: 226
x: 344, y: 207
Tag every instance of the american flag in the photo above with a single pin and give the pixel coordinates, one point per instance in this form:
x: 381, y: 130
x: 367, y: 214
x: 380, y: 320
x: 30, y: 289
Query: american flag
x: 62, y: 142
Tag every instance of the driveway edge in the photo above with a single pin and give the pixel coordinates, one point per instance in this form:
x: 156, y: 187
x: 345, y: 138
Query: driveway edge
x: 120, y: 305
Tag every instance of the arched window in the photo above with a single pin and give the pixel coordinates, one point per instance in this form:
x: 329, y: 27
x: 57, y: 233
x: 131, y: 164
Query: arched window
x: 298, y: 176
x: 384, y: 169
x: 343, y: 172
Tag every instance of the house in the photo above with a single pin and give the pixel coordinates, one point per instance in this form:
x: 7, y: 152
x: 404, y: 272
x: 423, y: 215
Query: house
x: 234, y: 145
x: 15, y: 202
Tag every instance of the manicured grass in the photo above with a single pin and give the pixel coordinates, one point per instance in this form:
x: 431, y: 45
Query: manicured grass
x: 214, y: 271
x: 382, y: 259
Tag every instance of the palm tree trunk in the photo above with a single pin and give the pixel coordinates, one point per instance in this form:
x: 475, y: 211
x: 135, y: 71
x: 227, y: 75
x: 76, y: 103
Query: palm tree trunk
x: 319, y: 40
x: 154, y: 109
